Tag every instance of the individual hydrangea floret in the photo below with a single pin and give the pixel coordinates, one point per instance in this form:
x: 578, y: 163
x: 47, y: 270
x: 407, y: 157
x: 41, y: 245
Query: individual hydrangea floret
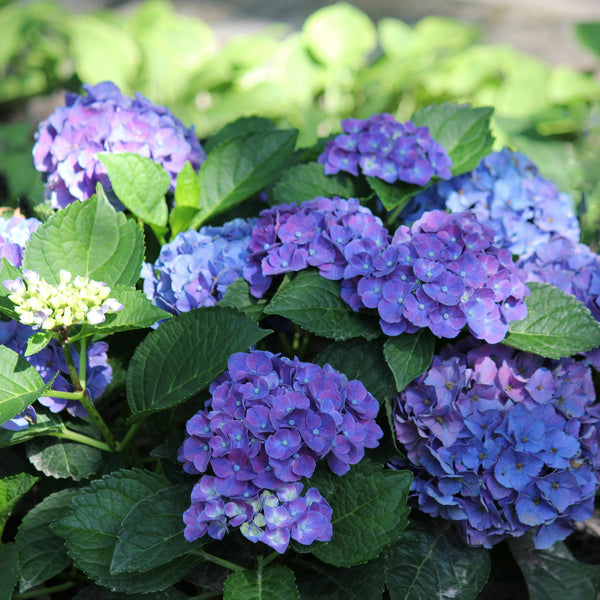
x: 507, y: 193
x: 71, y: 302
x: 292, y: 237
x: 502, y: 442
x: 384, y: 148
x: 196, y: 267
x: 268, y: 422
x: 14, y: 235
x: 105, y: 120
x: 50, y: 362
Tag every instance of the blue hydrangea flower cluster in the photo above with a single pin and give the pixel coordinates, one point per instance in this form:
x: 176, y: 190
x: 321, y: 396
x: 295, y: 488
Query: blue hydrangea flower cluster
x: 267, y: 423
x: 105, y: 120
x: 386, y: 149
x: 443, y: 273
x: 14, y: 235
x: 507, y: 193
x: 502, y: 442
x: 48, y: 362
x: 196, y: 267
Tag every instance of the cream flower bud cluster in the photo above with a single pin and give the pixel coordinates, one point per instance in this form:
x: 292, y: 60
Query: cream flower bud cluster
x: 73, y: 301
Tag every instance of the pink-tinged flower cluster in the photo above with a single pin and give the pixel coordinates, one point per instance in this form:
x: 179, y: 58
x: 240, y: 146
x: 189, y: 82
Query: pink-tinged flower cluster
x: 384, y: 148
x: 443, y: 273
x: 14, y: 235
x: 50, y: 362
x: 268, y: 422
x: 105, y: 120
x: 502, y: 442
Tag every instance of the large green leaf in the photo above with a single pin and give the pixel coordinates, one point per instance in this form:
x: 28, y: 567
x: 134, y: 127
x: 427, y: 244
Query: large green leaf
x: 152, y: 533
x: 187, y: 187
x: 238, y: 127
x: 271, y: 583
x: 409, y: 355
x: 140, y: 184
x: 42, y: 554
x: 238, y: 296
x: 557, y: 324
x: 62, y: 459
x: 433, y: 562
x: 92, y: 524
x: 393, y: 197
x: 90, y: 239
x: 554, y: 573
x: 307, y: 181
x: 240, y: 167
x: 362, y: 360
x: 9, y: 567
x: 20, y: 384
x: 185, y: 354
x: 314, y: 303
x: 369, y: 512
x: 11, y: 490
x: 462, y: 130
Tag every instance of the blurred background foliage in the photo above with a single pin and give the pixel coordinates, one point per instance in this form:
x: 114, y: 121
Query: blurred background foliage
x: 340, y: 64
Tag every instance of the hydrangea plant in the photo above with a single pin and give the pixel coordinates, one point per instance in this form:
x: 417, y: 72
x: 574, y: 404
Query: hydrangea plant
x: 285, y: 369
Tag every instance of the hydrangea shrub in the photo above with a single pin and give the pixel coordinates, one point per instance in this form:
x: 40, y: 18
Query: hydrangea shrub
x: 264, y: 379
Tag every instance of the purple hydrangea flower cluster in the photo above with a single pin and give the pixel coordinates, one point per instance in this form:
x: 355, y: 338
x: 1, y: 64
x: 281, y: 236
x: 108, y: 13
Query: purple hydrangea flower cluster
x: 196, y: 267
x: 507, y: 193
x: 502, y: 442
x: 14, y: 235
x: 386, y: 149
x: 267, y: 423
x: 292, y: 237
x: 105, y: 120
x: 443, y: 273
x: 48, y: 362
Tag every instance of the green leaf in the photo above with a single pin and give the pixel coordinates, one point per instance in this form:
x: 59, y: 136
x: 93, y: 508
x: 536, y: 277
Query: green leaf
x: 185, y: 354
x: 20, y: 384
x: 338, y: 583
x: 393, y: 196
x: 557, y: 324
x: 314, y: 303
x: 181, y: 219
x: 140, y: 184
x: 236, y: 128
x: 588, y: 34
x: 42, y: 554
x: 93, y: 592
x: 433, y: 562
x: 340, y: 35
x: 9, y: 567
x: 152, y: 533
x: 270, y: 583
x: 62, y: 459
x: 238, y: 296
x: 187, y: 187
x: 462, y: 130
x: 7, y: 271
x: 307, y: 181
x: 241, y: 166
x: 46, y: 423
x: 369, y: 512
x: 37, y: 342
x: 362, y: 360
x: 90, y: 239
x: 554, y: 573
x: 11, y: 490
x: 91, y: 528
x: 138, y: 313
x: 408, y: 355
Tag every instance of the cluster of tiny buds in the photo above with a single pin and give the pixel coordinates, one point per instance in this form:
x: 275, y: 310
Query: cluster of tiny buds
x: 73, y: 301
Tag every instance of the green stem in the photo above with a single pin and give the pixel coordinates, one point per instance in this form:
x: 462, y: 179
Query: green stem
x: 128, y: 436
x: 217, y: 560
x: 83, y: 360
x: 287, y: 347
x: 270, y: 558
x: 67, y: 395
x: 68, y: 434
x: 42, y: 591
x: 68, y: 352
x: 102, y: 426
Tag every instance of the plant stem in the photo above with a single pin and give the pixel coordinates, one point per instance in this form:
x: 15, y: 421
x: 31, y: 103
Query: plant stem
x: 71, y: 366
x: 102, y: 426
x: 68, y: 434
x: 128, y: 436
x: 270, y: 558
x: 41, y: 591
x: 67, y: 395
x: 218, y: 560
x: 83, y: 360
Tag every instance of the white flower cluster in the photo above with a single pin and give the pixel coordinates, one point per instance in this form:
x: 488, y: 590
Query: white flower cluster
x: 71, y: 302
